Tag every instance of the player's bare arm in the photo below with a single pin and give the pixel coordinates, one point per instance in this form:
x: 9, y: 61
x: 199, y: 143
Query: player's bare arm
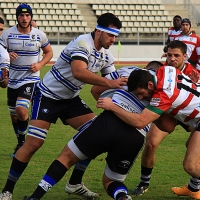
x: 97, y: 90
x: 47, y: 55
x: 133, y: 119
x: 80, y: 72
x: 4, y: 79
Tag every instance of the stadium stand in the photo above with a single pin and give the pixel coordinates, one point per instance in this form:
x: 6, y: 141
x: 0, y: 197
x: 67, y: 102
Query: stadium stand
x: 147, y: 19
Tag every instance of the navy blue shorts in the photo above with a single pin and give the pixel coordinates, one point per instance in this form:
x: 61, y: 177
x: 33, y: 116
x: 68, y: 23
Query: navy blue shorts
x: 49, y: 110
x: 26, y: 91
x: 110, y: 134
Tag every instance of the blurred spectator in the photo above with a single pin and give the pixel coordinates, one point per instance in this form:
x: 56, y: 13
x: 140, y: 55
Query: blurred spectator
x: 174, y: 30
x: 33, y: 24
x: 1, y: 25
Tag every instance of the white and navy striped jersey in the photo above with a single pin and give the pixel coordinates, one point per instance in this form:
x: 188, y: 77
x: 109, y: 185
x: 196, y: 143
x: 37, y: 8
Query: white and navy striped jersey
x: 59, y: 82
x: 27, y: 47
x: 4, y: 58
x: 176, y: 95
x: 128, y: 100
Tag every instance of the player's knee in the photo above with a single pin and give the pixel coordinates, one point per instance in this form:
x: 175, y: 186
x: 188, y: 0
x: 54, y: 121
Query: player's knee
x: 32, y: 144
x: 151, y: 146
x: 22, y: 113
x: 191, y: 168
x: 22, y: 106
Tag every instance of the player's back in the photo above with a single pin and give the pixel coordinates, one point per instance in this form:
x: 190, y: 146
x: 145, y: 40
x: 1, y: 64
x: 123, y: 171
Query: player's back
x: 179, y: 95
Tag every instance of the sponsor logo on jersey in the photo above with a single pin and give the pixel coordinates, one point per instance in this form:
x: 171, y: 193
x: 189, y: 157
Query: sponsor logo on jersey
x: 155, y: 101
x: 126, y: 107
x: 15, y: 43
x: 30, y: 44
x: 169, y: 87
x: 170, y: 78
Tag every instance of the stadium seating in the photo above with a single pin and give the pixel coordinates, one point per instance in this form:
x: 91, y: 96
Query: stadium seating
x: 70, y: 19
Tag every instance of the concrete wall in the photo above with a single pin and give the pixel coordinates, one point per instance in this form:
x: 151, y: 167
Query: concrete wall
x: 128, y: 53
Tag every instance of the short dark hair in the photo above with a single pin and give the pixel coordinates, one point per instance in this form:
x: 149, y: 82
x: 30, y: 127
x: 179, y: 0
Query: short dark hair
x: 1, y: 21
x: 139, y: 79
x: 177, y: 16
x: 179, y: 45
x: 153, y: 65
x: 107, y: 19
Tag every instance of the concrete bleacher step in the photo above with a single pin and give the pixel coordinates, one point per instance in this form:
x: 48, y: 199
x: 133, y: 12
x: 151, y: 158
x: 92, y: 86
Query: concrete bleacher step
x: 88, y: 14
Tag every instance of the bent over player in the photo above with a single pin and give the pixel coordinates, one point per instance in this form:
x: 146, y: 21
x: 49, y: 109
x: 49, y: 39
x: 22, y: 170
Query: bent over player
x: 101, y: 137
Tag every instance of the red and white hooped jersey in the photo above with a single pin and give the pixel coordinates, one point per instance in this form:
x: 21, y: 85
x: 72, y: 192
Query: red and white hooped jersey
x: 195, y: 57
x: 190, y: 40
x: 176, y: 95
x: 172, y: 33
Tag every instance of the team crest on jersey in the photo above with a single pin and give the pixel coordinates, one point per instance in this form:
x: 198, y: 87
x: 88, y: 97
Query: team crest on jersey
x: 124, y: 163
x: 45, y: 110
x: 33, y: 37
x: 28, y: 91
x: 81, y: 43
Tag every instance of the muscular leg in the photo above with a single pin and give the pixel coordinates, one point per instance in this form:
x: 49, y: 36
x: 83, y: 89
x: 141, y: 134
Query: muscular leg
x: 153, y: 139
x: 19, y: 117
x: 24, y: 154
x: 192, y: 167
x: 75, y: 181
x: 191, y: 162
x: 55, y: 172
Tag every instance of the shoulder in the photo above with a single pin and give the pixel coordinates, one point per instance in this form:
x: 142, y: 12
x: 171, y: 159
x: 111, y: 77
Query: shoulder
x: 166, y: 70
x: 83, y: 41
x: 37, y: 31
x: 12, y: 29
x: 171, y: 28
x: 4, y: 56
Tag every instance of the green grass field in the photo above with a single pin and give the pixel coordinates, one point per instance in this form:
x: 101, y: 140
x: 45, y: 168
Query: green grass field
x: 168, y: 171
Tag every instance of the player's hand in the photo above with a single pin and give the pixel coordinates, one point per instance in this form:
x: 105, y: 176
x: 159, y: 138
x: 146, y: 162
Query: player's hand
x: 194, y: 76
x: 4, y: 73
x: 105, y: 103
x: 13, y: 56
x: 35, y: 67
x: 118, y: 83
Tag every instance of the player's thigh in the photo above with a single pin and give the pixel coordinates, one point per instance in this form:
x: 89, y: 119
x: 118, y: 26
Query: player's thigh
x: 155, y: 136
x: 166, y: 123
x: 193, y: 150
x: 125, y: 147
x: 78, y: 113
x: 78, y: 121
